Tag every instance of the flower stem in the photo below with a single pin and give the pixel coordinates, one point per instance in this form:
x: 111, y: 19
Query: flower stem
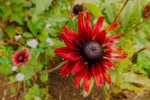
x: 107, y: 94
x: 117, y: 16
x: 144, y: 48
x: 57, y: 67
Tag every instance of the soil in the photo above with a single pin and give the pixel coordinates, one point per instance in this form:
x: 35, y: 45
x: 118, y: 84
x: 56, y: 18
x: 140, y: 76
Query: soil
x: 63, y: 89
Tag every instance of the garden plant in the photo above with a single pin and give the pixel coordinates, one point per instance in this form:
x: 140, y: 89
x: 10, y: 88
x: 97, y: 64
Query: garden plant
x: 74, y: 50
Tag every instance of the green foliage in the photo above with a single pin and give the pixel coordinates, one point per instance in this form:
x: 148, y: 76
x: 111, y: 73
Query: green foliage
x: 44, y: 77
x: 94, y: 10
x: 5, y: 69
x: 36, y: 93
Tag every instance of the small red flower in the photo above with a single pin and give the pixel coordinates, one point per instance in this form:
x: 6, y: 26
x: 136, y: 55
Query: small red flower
x: 90, y: 53
x: 20, y: 58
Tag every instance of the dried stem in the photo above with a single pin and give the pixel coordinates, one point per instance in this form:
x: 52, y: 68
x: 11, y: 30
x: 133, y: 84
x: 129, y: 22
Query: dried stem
x: 117, y: 16
x: 57, y: 67
x: 144, y: 48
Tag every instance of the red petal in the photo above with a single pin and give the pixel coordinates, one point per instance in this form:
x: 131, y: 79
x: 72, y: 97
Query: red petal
x: 120, y: 56
x: 73, y: 35
x: 81, y: 24
x: 107, y: 64
x: 15, y: 58
x: 67, y: 54
x: 66, y: 69
x: 98, y: 75
x: 88, y: 21
x: 26, y: 54
x: 87, y: 79
x: 107, y: 76
x: 78, y: 78
x: 111, y: 38
x: 69, y: 41
x: 78, y: 67
x: 98, y: 26
x: 62, y: 50
x: 117, y: 56
x: 99, y: 36
x: 88, y: 25
x: 110, y: 48
x: 112, y: 27
x: 70, y: 32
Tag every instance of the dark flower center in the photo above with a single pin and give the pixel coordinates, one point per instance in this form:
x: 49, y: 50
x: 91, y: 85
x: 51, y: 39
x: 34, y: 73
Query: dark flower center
x: 93, y: 50
x: 77, y: 8
x: 21, y: 57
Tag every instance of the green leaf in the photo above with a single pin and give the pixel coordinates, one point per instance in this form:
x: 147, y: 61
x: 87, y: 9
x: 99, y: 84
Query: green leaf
x: 58, y: 43
x: 31, y: 27
x: 109, y: 14
x: 11, y: 31
x: 41, y: 5
x: 28, y: 71
x: 5, y: 11
x: 50, y: 52
x: 5, y: 69
x: 36, y: 93
x: 5, y: 60
x: 95, y: 10
x: 44, y: 77
x: 28, y: 83
x: 59, y: 19
x: 27, y: 35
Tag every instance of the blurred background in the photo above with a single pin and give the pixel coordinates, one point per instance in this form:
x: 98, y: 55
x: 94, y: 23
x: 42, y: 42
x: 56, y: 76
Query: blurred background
x: 37, y: 24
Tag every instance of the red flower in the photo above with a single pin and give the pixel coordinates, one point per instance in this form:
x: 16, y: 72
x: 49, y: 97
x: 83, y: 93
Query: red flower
x: 20, y: 58
x: 89, y: 53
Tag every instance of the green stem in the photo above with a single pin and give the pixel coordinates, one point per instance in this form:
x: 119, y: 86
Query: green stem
x: 57, y: 67
x: 107, y: 94
x: 117, y: 16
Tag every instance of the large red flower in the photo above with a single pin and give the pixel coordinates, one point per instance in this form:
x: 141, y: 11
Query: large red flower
x: 20, y: 58
x: 89, y: 53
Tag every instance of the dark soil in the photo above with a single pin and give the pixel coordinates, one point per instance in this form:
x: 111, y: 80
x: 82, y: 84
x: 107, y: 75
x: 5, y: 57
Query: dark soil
x: 63, y: 89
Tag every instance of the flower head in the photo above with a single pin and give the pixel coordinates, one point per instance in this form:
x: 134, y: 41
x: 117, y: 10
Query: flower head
x: 20, y: 58
x: 20, y: 77
x: 18, y: 37
x: 32, y: 43
x: 14, y: 68
x: 89, y: 52
x: 77, y: 8
x: 50, y: 42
